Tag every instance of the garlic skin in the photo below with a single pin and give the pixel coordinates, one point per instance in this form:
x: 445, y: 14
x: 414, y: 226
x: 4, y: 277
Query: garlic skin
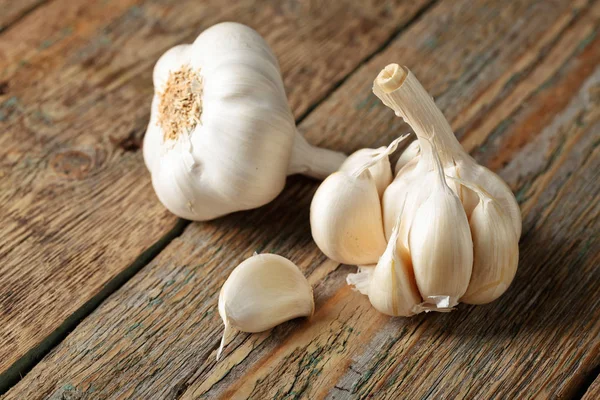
x: 238, y: 143
x: 381, y: 171
x: 410, y: 153
x: 262, y: 292
x: 400, y: 90
x: 495, y: 247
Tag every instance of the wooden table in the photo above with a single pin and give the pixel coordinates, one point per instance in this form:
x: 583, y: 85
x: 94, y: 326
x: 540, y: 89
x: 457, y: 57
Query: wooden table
x: 105, y: 294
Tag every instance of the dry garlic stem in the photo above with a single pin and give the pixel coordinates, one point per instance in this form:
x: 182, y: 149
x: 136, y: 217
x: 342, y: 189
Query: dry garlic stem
x: 400, y: 90
x: 495, y: 248
x: 262, y: 292
x: 345, y: 214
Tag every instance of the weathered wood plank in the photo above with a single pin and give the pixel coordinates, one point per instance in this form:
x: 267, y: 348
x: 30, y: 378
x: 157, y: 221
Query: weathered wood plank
x: 76, y: 202
x: 13, y: 10
x: 158, y: 334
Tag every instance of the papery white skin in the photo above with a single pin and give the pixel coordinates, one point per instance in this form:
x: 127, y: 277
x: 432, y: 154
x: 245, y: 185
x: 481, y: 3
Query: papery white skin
x: 495, y: 249
x: 396, y: 86
x: 262, y: 292
x: 361, y: 280
x: 381, y: 171
x: 246, y: 143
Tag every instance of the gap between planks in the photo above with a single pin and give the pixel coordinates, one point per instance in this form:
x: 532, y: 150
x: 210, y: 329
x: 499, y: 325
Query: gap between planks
x: 22, y: 366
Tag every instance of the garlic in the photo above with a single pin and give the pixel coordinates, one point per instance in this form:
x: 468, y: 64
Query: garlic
x: 381, y: 171
x: 262, y: 292
x: 440, y: 244
x: 345, y: 214
x: 410, y: 153
x: 495, y: 247
x: 392, y: 287
x: 400, y: 90
x: 221, y: 136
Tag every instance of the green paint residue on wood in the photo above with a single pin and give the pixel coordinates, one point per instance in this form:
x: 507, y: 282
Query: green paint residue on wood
x: 431, y: 42
x: 133, y: 327
x: 585, y: 42
x: 155, y: 302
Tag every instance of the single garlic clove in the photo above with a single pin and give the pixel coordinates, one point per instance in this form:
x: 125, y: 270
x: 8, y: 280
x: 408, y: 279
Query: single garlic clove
x: 392, y: 288
x: 410, y: 153
x: 381, y: 171
x: 345, y: 219
x: 440, y: 244
x: 495, y: 250
x: 262, y: 292
x: 468, y: 170
x: 409, y: 189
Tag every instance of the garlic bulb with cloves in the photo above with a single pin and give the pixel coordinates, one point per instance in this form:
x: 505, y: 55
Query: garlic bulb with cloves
x: 345, y: 214
x: 400, y: 90
x: 262, y: 292
x: 222, y: 137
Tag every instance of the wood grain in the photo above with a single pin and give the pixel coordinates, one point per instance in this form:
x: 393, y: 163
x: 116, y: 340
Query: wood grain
x: 12, y: 11
x: 157, y: 335
x: 76, y: 202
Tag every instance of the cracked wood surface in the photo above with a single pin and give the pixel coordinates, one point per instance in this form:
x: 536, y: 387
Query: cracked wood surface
x: 77, y: 204
x: 520, y: 82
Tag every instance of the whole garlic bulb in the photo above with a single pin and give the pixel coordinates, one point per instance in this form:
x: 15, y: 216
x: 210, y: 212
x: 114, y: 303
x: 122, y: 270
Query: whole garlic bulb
x: 452, y: 224
x: 262, y: 292
x: 221, y: 136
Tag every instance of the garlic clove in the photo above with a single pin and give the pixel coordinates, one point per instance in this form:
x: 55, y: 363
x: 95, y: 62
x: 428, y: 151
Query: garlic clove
x: 469, y: 171
x: 392, y: 288
x: 381, y: 171
x: 262, y: 292
x: 495, y: 250
x: 345, y: 219
x: 410, y: 153
x: 345, y: 214
x: 440, y: 244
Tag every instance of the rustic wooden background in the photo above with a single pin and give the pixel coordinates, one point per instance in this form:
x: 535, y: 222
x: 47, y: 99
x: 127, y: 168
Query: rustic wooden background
x: 104, y: 294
